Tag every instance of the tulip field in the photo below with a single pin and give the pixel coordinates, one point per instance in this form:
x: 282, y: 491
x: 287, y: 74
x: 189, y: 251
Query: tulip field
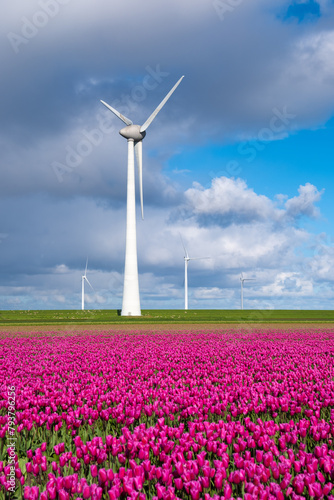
x: 189, y: 414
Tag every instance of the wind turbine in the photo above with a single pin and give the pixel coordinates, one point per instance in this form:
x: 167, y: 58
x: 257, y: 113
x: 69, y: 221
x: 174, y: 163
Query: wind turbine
x: 242, y: 279
x: 134, y: 135
x: 83, y: 279
x: 186, y: 262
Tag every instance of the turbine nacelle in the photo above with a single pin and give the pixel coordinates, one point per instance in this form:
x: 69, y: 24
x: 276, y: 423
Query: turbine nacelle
x: 132, y: 132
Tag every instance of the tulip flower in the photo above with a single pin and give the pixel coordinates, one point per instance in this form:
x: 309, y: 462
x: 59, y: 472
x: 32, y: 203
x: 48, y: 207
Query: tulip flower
x: 178, y: 483
x: 86, y: 492
x: 35, y: 469
x: 102, y: 474
x: 227, y: 491
x: 93, y: 470
x: 52, y: 492
x: 183, y: 410
x: 219, y: 481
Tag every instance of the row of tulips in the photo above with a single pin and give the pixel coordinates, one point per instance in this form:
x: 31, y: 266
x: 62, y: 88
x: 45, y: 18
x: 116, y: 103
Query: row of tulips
x: 193, y: 415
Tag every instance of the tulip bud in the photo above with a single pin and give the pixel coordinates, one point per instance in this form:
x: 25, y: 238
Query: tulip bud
x: 227, y: 491
x: 68, y: 481
x: 219, y: 481
x: 59, y: 482
x: 52, y: 492
x: 93, y: 470
x: 327, y: 488
x: 267, y: 459
x: 62, y: 495
x: 86, y: 493
x: 138, y: 483
x: 205, y: 482
x: 178, y: 483
x: 147, y: 465
x: 103, y: 476
x: 112, y: 494
x: 78, y: 441
x: 297, y: 466
x: 35, y: 469
x: 200, y: 460
x: 110, y: 475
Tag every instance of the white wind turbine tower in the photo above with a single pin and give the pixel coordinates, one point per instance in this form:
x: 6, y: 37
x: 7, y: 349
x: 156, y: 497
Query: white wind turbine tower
x: 242, y: 279
x: 186, y: 262
x: 134, y: 135
x: 83, y: 279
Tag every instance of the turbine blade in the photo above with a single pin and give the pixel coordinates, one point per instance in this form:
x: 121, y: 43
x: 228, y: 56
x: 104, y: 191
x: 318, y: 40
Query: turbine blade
x: 156, y: 111
x: 139, y: 158
x: 86, y: 266
x: 184, y: 248
x: 89, y: 284
x: 199, y: 258
x: 118, y: 114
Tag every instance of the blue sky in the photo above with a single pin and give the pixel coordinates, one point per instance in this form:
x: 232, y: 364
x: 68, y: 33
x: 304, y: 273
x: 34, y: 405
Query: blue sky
x: 239, y: 161
x: 269, y: 167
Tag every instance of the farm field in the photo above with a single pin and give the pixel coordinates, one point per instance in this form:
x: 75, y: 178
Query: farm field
x: 189, y: 414
x: 111, y: 317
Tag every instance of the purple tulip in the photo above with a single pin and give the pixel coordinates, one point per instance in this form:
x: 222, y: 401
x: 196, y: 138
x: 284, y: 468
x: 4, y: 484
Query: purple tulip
x: 93, y: 470
x: 227, y: 491
x: 86, y: 492
x: 219, y: 481
x: 52, y: 492
x: 178, y: 483
x: 102, y: 475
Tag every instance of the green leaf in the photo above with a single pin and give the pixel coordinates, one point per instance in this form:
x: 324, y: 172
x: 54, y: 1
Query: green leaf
x: 22, y: 465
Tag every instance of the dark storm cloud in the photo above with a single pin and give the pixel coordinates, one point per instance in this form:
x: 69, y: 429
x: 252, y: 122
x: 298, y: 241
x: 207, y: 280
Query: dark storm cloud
x: 63, y: 164
x: 238, y: 69
x: 232, y: 66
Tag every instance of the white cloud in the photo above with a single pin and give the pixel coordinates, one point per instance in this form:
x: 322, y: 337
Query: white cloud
x: 61, y: 269
x: 303, y: 204
x: 288, y: 284
x: 230, y: 201
x: 227, y: 201
x: 236, y: 75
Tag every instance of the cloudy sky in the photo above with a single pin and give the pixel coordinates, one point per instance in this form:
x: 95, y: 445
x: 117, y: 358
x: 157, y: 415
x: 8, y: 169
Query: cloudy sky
x: 240, y: 160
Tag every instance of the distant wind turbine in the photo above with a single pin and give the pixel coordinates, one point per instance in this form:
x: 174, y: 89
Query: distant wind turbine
x: 134, y: 135
x: 83, y: 279
x: 186, y: 262
x: 242, y: 279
